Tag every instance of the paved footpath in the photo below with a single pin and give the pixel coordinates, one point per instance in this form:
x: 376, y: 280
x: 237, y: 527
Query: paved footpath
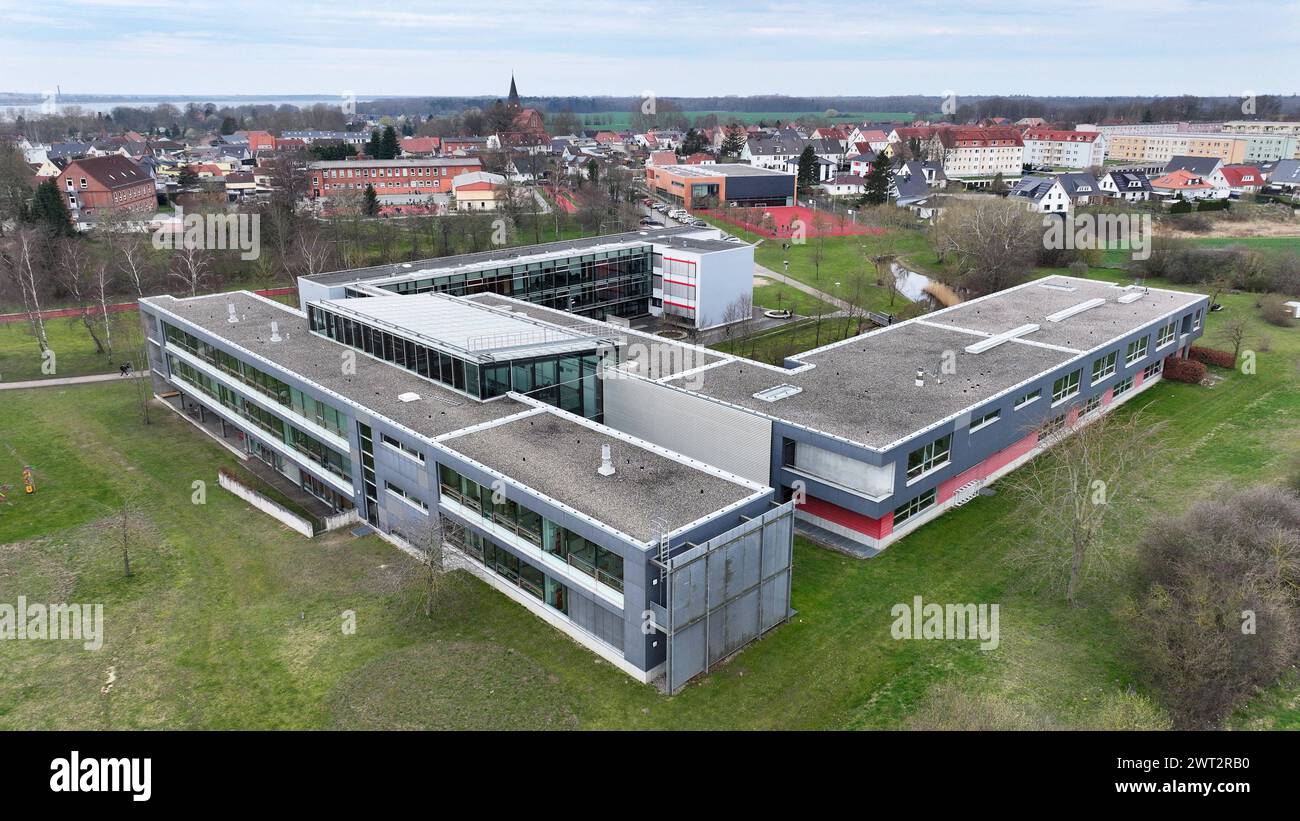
x: 70, y: 380
x: 768, y: 273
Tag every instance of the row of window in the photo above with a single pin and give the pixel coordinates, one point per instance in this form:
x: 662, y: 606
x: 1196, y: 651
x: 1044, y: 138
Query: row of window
x: 308, y: 407
x: 586, y: 556
x: 508, y: 565
x: 306, y: 444
x: 936, y: 454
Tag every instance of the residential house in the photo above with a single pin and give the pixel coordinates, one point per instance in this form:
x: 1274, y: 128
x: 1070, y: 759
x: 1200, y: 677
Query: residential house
x: 845, y: 185
x: 1128, y: 186
x: 1081, y: 187
x: 1045, y: 195
x: 1285, y: 175
x: 478, y: 191
x: 104, y: 183
x: 1243, y: 179
x: 1185, y: 185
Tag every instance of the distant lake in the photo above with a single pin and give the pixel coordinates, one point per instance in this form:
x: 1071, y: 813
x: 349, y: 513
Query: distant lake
x: 106, y: 104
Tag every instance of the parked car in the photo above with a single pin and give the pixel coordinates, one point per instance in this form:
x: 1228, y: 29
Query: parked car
x: 651, y: 223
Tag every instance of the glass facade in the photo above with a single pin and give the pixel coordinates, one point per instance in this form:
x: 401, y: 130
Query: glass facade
x: 566, y: 380
x: 270, y: 424
x: 614, y: 282
x: 300, y: 403
x: 509, y: 566
x: 588, y: 557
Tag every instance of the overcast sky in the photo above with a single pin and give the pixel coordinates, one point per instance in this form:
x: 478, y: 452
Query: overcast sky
x: 217, y: 47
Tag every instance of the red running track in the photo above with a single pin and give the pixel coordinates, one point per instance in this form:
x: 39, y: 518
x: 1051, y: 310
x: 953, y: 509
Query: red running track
x: 783, y: 217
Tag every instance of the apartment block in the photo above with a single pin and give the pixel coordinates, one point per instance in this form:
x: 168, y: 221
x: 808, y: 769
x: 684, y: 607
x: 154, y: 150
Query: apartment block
x: 396, y: 182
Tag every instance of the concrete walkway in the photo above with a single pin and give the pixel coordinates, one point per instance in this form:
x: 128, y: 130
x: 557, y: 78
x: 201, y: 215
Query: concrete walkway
x: 768, y: 273
x: 70, y: 380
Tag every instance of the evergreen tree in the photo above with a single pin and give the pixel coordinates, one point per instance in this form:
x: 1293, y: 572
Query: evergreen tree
x: 734, y: 141
x: 374, y: 146
x: 388, y: 145
x: 807, y: 168
x: 50, y: 210
x: 878, y: 181
x: 370, y: 204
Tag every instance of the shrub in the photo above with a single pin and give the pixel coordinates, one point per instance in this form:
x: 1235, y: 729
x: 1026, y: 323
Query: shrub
x: 1219, y: 607
x: 1184, y: 370
x: 1181, y: 207
x: 1273, y: 310
x: 1210, y: 356
x: 1212, y: 205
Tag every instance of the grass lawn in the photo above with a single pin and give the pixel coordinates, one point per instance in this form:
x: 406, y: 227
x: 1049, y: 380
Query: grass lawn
x: 779, y: 296
x: 74, y: 352
x: 233, y: 621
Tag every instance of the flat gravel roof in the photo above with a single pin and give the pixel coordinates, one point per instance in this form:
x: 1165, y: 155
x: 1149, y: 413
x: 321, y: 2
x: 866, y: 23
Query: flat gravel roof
x: 499, y: 256
x: 1083, y: 331
x: 558, y: 457
x: 375, y: 385
x: 865, y: 390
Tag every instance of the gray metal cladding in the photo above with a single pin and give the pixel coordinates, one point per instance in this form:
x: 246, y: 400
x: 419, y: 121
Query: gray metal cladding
x: 727, y: 438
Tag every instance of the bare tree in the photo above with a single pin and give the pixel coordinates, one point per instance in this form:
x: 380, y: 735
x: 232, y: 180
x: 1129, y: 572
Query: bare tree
x: 1071, y: 493
x: 1234, y: 333
x: 429, y: 574
x: 20, y: 261
x: 190, y: 266
x: 994, y: 241
x: 130, y: 249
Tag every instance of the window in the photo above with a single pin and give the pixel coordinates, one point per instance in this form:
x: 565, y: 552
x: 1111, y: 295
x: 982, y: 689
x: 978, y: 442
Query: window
x: 1123, y: 386
x: 930, y: 457
x: 406, y: 449
x: 1196, y: 320
x: 985, y: 420
x: 1136, y: 350
x: 1165, y: 335
x: 407, y: 497
x: 1093, y: 403
x: 1052, y: 426
x: 1153, y: 369
x: 1065, y: 387
x: 1103, y: 367
x: 1032, y: 396
x: 904, y: 512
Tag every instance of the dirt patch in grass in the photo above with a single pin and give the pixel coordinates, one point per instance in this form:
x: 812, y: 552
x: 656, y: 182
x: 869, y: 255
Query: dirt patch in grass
x: 452, y: 685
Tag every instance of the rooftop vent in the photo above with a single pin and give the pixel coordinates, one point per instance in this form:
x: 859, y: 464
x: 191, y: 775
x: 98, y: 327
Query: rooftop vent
x: 1130, y: 297
x: 996, y: 340
x: 776, y: 392
x: 275, y: 332
x: 606, y: 463
x: 1066, y: 313
x: 230, y: 313
x: 1056, y: 286
x: 409, y: 396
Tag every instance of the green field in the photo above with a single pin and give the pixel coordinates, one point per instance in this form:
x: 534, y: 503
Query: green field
x: 622, y: 120
x: 233, y: 621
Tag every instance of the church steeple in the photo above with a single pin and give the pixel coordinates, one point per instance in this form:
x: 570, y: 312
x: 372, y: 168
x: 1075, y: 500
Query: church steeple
x: 513, y: 99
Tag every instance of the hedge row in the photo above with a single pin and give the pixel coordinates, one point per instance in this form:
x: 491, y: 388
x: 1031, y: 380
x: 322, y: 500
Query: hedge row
x: 1184, y: 370
x: 1210, y: 356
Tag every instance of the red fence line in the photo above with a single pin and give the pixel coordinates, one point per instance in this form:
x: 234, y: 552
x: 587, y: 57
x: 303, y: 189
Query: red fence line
x: 115, y: 308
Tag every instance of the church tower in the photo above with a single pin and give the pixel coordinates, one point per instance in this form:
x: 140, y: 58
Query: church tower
x: 513, y: 100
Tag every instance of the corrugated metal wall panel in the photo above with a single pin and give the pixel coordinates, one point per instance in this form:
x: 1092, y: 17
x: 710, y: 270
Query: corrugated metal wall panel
x: 720, y: 436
